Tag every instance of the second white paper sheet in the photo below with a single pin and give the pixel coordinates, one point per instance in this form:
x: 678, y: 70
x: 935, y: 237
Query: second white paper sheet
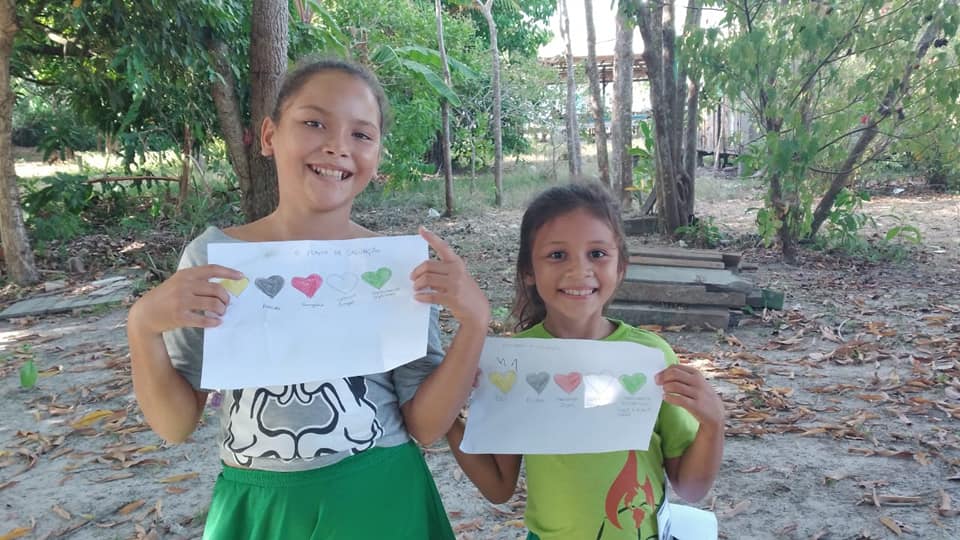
x: 316, y: 310
x: 563, y: 396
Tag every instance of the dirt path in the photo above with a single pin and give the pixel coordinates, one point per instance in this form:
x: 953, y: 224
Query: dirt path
x: 844, y: 409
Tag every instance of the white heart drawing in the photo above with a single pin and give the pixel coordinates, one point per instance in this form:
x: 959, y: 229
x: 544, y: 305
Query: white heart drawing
x: 345, y: 283
x: 600, y: 390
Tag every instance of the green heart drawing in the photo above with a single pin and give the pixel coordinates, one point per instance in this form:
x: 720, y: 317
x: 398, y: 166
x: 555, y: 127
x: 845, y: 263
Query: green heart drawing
x: 633, y: 383
x: 377, y: 279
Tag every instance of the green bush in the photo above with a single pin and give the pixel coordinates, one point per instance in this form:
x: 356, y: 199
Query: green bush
x: 54, y: 206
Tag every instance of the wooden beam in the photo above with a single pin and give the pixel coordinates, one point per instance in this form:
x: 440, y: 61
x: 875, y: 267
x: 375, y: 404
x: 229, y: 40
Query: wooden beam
x: 635, y: 291
x: 695, y: 317
x: 714, y: 280
x: 666, y: 261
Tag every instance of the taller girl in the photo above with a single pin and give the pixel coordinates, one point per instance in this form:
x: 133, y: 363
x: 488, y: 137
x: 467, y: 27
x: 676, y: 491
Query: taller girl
x: 360, y: 475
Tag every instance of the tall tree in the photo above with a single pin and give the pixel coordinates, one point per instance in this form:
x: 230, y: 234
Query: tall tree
x: 674, y: 183
x: 573, y: 129
x: 445, y: 114
x: 603, y: 164
x: 16, y: 246
x: 831, y: 86
x: 487, y: 9
x: 621, y: 130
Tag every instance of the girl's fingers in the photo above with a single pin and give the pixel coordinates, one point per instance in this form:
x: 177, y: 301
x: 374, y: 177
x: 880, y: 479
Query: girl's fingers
x: 210, y: 271
x: 214, y: 290
x: 431, y: 267
x: 439, y: 245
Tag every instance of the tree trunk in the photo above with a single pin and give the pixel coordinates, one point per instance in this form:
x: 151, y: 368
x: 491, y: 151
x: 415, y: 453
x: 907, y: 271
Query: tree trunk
x: 269, y: 36
x: 487, y: 10
x: 887, y: 107
x: 673, y: 188
x: 688, y: 166
x: 227, y: 103
x: 445, y: 115
x: 13, y: 234
x: 573, y: 131
x: 603, y: 164
x: 621, y: 129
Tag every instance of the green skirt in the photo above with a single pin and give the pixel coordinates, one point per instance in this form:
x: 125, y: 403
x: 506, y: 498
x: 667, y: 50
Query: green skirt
x: 383, y: 493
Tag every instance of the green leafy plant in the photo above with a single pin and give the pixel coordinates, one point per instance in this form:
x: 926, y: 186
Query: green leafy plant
x: 702, y: 233
x: 54, y: 206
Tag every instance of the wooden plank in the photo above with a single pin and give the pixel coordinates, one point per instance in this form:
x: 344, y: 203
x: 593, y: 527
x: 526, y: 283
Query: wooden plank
x: 730, y: 259
x: 678, y: 253
x: 714, y: 280
x: 637, y: 291
x: 693, y: 317
x: 688, y: 263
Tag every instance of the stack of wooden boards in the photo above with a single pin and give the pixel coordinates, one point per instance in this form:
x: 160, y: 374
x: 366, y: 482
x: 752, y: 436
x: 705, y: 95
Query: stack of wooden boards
x: 691, y: 287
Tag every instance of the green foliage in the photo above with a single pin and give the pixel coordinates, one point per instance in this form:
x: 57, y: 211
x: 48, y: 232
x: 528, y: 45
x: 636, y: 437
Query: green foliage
x: 54, y: 206
x: 846, y: 220
x: 814, y: 77
x: 701, y: 233
x: 644, y: 167
x: 521, y: 25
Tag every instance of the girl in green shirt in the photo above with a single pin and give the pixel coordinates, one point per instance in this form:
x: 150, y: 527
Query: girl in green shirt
x: 572, y: 258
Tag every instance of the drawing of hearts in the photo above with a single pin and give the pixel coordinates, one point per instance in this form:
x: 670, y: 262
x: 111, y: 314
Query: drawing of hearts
x: 538, y: 381
x: 343, y: 283
x: 569, y: 381
x: 270, y: 286
x: 235, y: 286
x: 503, y: 380
x: 377, y: 279
x: 307, y: 285
x: 633, y: 383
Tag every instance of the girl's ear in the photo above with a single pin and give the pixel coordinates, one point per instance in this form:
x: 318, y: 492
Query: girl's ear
x: 267, y: 130
x: 529, y: 280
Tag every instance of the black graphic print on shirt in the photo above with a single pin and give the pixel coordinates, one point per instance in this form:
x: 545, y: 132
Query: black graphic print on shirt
x: 301, y: 421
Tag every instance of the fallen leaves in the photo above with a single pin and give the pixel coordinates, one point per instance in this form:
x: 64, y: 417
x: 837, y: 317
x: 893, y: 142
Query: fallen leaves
x: 179, y: 478
x: 18, y: 532
x: 945, y: 508
x: 891, y: 524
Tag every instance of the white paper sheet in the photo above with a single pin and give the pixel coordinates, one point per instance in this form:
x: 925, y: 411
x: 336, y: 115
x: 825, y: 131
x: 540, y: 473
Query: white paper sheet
x: 679, y: 522
x: 315, y: 310
x: 563, y: 396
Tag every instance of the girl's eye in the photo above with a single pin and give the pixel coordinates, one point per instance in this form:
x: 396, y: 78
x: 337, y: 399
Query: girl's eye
x: 362, y: 135
x: 598, y: 254
x: 555, y: 255
x: 313, y: 124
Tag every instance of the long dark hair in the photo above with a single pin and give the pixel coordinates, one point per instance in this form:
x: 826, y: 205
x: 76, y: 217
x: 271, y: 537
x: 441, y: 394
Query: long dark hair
x: 528, y: 307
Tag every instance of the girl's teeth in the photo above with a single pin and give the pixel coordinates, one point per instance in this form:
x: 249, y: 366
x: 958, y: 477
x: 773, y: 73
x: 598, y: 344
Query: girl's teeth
x: 578, y: 292
x: 328, y: 172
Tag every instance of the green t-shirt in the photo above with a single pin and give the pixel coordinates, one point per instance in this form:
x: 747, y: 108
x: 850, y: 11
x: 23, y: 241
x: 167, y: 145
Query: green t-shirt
x: 610, y: 495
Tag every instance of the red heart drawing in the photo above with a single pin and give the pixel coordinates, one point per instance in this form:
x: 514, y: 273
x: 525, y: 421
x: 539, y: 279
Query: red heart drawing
x: 569, y: 381
x: 307, y: 285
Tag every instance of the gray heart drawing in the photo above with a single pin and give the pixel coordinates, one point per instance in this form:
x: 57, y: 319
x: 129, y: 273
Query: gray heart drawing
x: 538, y: 381
x: 270, y: 286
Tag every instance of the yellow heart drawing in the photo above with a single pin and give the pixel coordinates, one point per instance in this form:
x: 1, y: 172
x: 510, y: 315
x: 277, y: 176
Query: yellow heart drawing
x: 235, y: 286
x: 503, y: 380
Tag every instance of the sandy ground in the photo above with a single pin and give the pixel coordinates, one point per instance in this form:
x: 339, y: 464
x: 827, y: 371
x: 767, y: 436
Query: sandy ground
x: 844, y: 409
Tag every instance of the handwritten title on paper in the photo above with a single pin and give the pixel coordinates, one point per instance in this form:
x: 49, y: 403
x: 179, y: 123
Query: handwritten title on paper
x: 313, y: 310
